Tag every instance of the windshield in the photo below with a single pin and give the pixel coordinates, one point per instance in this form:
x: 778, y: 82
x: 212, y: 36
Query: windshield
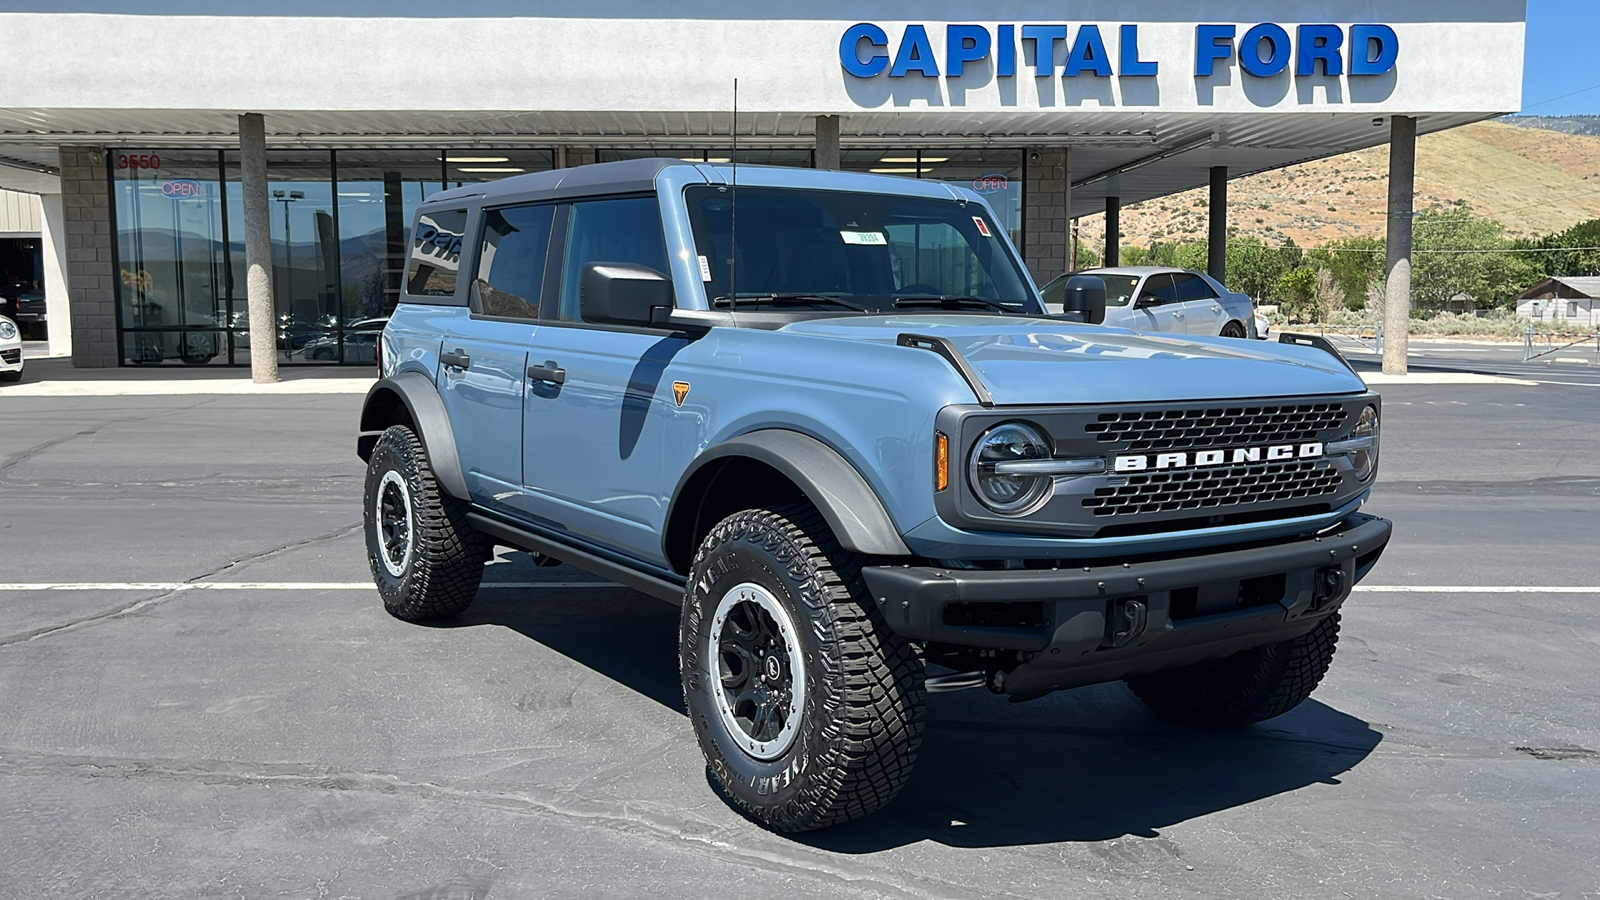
x: 848, y: 250
x: 1119, y: 289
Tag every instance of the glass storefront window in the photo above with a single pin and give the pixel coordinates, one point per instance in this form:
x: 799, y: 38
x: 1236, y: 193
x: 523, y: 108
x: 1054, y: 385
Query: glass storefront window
x: 475, y: 166
x: 379, y: 192
x: 994, y: 173
x: 758, y: 156
x: 172, y: 255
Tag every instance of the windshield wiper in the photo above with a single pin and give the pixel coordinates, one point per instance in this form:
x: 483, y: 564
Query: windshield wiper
x: 953, y: 301
x: 782, y: 299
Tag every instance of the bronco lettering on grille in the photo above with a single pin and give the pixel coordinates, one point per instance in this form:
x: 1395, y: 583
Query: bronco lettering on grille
x: 1140, y: 462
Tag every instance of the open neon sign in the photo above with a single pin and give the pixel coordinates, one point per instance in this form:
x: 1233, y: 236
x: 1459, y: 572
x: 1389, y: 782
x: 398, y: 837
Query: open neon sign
x: 182, y: 188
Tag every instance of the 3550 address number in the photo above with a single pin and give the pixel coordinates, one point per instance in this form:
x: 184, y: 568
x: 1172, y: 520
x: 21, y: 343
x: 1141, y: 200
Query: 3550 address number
x: 138, y: 160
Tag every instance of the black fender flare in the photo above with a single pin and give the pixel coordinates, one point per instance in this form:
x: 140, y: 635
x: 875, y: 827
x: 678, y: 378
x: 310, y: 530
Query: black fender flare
x: 847, y: 503
x: 426, y: 408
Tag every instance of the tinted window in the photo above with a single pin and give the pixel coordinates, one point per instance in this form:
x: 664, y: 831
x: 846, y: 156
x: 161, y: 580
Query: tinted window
x: 1193, y: 287
x: 511, y: 261
x: 1159, y: 289
x: 610, y: 231
x: 436, y: 253
x: 1119, y: 290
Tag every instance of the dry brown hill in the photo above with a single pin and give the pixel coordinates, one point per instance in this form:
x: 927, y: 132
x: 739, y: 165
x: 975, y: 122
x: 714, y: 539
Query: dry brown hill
x: 1535, y: 181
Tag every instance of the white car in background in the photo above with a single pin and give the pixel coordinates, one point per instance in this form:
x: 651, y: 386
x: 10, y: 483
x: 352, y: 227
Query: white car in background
x: 1155, y: 298
x: 10, y: 350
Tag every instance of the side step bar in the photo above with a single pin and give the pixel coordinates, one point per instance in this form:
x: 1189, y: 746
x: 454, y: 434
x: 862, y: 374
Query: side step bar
x: 523, y: 539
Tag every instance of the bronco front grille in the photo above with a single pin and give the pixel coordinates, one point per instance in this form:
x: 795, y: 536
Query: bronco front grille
x: 1216, y: 486
x: 1217, y: 426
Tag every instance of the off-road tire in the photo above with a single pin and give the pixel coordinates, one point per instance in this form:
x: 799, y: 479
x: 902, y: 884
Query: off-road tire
x: 1232, y: 330
x: 440, y: 574
x: 1245, y: 688
x: 860, y: 722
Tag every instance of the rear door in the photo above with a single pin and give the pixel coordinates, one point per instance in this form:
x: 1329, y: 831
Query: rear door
x: 1155, y: 306
x: 483, y: 358
x: 1200, y: 305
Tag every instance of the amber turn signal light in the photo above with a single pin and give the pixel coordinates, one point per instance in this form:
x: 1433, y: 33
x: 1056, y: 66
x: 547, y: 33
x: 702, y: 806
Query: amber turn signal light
x: 941, y: 461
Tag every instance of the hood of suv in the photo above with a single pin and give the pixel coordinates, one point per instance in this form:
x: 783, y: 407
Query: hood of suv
x: 1043, y: 361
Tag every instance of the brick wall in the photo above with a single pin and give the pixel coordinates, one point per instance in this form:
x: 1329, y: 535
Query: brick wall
x: 1045, y: 215
x: 91, y: 277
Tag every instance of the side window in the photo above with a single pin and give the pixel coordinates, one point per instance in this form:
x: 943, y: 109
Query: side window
x: 436, y: 253
x: 1054, y: 294
x: 511, y: 261
x: 611, y: 231
x: 1158, y: 289
x: 1193, y: 287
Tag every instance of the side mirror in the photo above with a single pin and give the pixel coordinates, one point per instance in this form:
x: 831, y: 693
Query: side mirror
x: 622, y: 293
x: 1086, y: 298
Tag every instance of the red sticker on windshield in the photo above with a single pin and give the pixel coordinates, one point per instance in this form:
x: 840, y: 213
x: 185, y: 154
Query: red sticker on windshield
x: 983, y: 227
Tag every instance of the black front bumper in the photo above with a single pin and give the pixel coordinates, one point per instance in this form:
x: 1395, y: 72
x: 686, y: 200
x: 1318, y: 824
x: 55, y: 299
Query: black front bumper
x: 1084, y: 625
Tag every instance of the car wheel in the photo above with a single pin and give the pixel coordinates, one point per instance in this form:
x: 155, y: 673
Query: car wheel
x: 426, y: 560
x: 1244, y: 688
x: 807, y: 707
x: 1232, y: 330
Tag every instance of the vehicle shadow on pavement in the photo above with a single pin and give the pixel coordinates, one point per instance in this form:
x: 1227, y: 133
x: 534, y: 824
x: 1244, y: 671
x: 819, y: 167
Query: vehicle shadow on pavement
x: 1092, y: 764
x: 624, y: 635
x: 1117, y: 771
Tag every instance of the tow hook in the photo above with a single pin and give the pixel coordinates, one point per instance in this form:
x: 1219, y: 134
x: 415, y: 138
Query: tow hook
x: 1125, y: 622
x: 1330, y: 584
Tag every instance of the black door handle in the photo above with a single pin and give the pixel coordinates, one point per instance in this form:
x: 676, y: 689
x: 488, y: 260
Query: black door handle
x: 456, y: 360
x: 550, y: 372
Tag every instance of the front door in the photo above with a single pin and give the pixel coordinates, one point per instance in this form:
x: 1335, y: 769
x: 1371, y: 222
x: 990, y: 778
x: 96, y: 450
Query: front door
x: 1155, y: 307
x: 598, y: 402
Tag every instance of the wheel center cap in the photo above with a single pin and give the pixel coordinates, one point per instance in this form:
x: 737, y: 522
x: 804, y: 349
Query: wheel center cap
x: 772, y: 669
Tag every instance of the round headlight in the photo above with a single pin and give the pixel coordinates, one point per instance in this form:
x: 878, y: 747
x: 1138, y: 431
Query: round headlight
x: 7, y: 330
x: 1365, y: 460
x: 1010, y: 493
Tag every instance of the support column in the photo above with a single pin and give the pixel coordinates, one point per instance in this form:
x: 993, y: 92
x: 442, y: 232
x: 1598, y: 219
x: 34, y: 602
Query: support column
x: 1217, y: 240
x: 1113, y: 231
x: 257, y: 248
x: 57, y: 301
x: 826, y: 154
x: 1069, y: 237
x: 1397, y: 268
x: 92, y: 279
x: 1047, y: 179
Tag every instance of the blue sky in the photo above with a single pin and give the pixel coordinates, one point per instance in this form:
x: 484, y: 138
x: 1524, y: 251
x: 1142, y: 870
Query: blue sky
x: 1563, y: 44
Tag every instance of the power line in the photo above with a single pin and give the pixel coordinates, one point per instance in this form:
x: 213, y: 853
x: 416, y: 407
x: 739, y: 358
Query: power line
x: 1487, y: 250
x: 1563, y: 96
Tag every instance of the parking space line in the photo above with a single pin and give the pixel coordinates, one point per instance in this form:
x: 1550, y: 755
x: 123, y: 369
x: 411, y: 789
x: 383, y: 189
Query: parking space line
x: 24, y: 587
x: 20, y: 587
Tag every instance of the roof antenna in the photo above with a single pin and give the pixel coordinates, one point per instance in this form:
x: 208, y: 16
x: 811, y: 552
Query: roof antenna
x: 733, y: 223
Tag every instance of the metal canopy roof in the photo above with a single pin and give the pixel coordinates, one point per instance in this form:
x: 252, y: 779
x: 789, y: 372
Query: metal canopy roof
x: 1127, y: 153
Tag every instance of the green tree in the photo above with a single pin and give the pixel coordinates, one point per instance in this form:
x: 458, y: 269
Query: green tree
x: 1255, y: 268
x: 1298, y: 294
x: 1458, y: 253
x: 1574, y: 253
x: 1355, y: 264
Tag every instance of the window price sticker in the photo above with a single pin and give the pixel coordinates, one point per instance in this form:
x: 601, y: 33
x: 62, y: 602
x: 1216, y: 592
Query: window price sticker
x: 983, y: 227
x: 705, y: 268
x: 865, y: 238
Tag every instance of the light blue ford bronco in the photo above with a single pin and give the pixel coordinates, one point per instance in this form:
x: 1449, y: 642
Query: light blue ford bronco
x: 827, y: 414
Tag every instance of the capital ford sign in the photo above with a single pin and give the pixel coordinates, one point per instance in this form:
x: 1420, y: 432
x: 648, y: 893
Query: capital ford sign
x: 1262, y: 51
x: 1141, y: 462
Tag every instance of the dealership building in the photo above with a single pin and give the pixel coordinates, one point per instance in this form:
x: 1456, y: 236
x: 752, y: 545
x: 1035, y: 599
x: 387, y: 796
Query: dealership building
x: 126, y: 127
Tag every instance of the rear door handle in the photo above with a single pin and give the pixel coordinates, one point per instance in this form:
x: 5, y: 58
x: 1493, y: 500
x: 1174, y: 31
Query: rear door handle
x: 549, y: 372
x: 456, y: 359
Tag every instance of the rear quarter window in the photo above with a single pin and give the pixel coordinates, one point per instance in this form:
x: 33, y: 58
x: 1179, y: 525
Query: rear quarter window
x: 436, y: 253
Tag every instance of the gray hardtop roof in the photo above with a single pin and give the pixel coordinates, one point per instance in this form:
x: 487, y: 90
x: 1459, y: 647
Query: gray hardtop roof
x: 632, y: 176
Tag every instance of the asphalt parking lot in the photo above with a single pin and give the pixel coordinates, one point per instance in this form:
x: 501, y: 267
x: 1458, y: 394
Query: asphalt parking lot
x: 201, y: 696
